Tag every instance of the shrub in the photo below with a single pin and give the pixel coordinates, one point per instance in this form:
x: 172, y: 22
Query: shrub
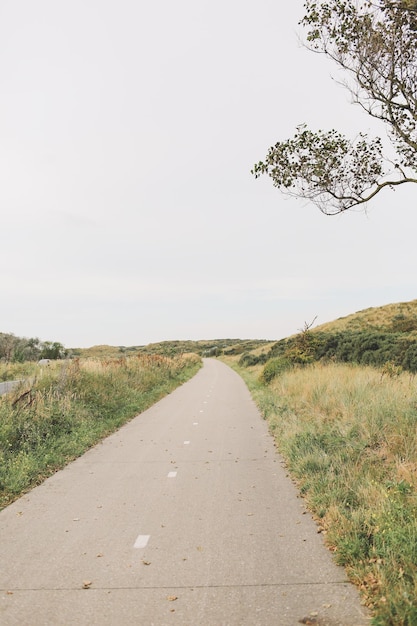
x: 247, y: 359
x: 273, y: 368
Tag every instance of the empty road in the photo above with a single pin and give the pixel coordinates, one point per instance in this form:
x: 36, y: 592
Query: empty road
x: 184, y: 517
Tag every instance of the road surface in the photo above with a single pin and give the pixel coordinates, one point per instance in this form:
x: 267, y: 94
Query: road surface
x: 184, y: 517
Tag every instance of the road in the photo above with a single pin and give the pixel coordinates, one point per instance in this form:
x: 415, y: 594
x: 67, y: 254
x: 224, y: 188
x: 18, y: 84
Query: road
x: 184, y: 517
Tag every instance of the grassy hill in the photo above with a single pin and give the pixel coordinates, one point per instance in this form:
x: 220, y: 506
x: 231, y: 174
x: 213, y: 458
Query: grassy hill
x: 382, y: 337
x: 208, y: 347
x: 400, y: 317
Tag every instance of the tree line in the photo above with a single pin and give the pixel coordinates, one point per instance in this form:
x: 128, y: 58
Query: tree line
x: 19, y: 349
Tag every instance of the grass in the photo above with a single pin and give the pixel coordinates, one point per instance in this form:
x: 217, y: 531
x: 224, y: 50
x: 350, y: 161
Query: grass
x: 17, y: 371
x: 52, y: 419
x: 376, y: 317
x: 349, y: 438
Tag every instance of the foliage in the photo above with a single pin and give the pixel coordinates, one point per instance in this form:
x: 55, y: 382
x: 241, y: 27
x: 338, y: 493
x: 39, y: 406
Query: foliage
x: 249, y: 358
x: 19, y: 349
x: 361, y: 347
x: 384, y: 337
x: 49, y: 420
x: 53, y: 350
x: 375, y: 44
x: 273, y: 368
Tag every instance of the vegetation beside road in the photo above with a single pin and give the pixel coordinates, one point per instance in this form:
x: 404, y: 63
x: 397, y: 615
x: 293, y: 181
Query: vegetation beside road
x: 70, y: 405
x: 348, y: 434
x: 381, y: 336
x: 341, y: 402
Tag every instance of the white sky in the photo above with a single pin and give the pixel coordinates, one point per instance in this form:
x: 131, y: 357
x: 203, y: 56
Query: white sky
x: 128, y: 213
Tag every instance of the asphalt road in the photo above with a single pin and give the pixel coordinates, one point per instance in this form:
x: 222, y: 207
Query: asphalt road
x: 184, y: 517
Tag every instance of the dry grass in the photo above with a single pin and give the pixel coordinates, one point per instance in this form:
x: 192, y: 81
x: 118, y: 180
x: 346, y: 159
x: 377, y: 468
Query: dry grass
x: 375, y: 317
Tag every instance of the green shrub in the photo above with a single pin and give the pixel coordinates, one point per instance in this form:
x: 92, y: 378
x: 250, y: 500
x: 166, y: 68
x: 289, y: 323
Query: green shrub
x: 273, y: 368
x: 247, y: 359
x: 362, y: 347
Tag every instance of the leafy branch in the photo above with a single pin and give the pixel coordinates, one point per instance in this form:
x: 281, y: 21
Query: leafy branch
x: 375, y: 43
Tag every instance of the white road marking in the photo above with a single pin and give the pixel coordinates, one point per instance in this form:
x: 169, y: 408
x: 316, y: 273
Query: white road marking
x: 186, y: 443
x: 195, y: 423
x: 141, y: 541
x: 172, y: 474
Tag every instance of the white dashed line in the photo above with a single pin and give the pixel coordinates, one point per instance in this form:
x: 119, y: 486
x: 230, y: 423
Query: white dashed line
x: 141, y: 541
x: 172, y: 474
x: 195, y: 423
x: 186, y: 443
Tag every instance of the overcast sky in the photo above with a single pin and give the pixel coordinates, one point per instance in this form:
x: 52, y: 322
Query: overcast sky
x: 128, y: 213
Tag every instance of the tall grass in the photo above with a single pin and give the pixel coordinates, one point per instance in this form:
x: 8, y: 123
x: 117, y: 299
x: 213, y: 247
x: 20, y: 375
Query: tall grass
x: 349, y: 438
x: 16, y: 371
x: 49, y: 420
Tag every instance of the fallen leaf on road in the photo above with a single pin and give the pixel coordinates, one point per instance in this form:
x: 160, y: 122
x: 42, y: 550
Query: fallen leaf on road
x: 99, y: 555
x: 87, y: 584
x: 146, y: 562
x: 172, y: 598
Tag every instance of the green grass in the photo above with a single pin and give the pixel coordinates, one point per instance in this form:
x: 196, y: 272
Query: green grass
x: 49, y: 421
x: 348, y: 435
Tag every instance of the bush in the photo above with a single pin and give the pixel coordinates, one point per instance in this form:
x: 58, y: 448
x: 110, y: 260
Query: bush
x: 273, y: 368
x: 247, y: 359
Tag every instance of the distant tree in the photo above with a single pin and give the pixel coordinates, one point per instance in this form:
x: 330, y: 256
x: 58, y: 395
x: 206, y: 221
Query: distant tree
x: 27, y: 349
x: 375, y: 43
x: 7, y: 344
x: 52, y: 350
x: 18, y: 349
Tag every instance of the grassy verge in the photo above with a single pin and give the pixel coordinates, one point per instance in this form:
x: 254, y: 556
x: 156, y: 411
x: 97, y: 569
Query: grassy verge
x: 49, y: 421
x: 17, y: 371
x: 349, y: 438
